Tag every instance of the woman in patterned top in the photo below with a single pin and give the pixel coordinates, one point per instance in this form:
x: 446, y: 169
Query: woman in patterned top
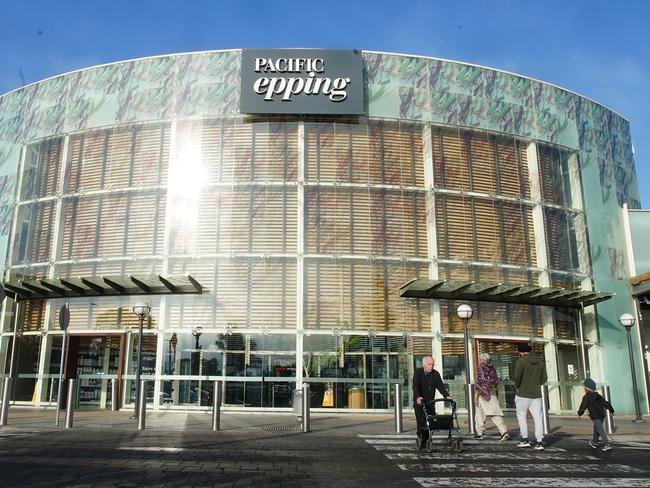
x: 486, y: 399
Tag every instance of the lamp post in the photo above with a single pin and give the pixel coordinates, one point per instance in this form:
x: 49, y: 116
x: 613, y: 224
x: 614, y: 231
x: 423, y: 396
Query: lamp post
x: 465, y: 313
x: 141, y: 310
x: 627, y: 320
x: 196, y: 363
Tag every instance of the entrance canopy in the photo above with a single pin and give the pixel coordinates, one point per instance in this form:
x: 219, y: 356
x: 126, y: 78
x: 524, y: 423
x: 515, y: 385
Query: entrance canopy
x: 50, y: 288
x: 641, y: 288
x: 498, y: 292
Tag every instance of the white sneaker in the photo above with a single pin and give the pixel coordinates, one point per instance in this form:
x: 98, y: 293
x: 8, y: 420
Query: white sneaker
x: 523, y: 443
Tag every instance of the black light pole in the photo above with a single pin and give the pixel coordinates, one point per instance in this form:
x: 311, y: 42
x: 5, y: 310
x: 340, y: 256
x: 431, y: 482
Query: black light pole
x: 627, y: 320
x: 465, y: 313
x: 141, y: 310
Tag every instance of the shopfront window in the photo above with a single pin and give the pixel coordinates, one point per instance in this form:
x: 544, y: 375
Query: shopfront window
x: 352, y: 371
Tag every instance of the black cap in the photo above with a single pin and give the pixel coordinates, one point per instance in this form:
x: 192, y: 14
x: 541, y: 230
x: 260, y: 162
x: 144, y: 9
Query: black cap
x: 524, y: 348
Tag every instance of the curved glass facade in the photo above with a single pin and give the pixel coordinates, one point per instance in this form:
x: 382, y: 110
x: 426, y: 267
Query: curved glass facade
x: 302, y: 231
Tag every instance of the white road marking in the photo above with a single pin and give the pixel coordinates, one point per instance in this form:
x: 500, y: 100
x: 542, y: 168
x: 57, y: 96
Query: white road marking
x: 527, y: 482
x: 388, y: 436
x: 153, y: 449
x: 643, y: 446
x: 514, y: 468
x: 442, y: 446
x: 492, y: 456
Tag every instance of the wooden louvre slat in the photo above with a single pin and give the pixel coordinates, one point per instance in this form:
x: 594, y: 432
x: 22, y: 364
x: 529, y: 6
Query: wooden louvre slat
x: 556, y: 238
x: 86, y: 161
x: 459, y: 232
x: 483, y: 163
x: 488, y: 232
x: 552, y: 173
x: 454, y: 171
x: 379, y: 153
x: 361, y: 295
x: 518, y: 234
x: 237, y: 151
x: 144, y: 230
x: 272, y: 293
x: 42, y: 169
x: 122, y: 157
x: 150, y: 155
x: 33, y: 240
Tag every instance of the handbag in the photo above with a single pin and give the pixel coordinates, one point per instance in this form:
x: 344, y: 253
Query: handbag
x: 328, y: 397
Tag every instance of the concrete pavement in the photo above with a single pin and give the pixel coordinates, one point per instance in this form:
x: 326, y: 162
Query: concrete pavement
x: 268, y: 449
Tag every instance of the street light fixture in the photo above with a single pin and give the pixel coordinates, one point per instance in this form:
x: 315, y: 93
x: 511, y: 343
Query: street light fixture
x: 627, y: 320
x: 465, y: 313
x: 141, y: 309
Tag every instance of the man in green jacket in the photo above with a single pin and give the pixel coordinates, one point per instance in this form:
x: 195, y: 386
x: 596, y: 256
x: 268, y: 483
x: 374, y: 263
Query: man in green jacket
x: 530, y: 375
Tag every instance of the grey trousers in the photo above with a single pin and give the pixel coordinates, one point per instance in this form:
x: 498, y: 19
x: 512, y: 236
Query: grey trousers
x: 599, y: 431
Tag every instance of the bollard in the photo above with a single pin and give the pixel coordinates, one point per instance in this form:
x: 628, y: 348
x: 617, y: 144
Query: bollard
x: 59, y: 401
x: 545, y: 418
x: 77, y: 395
x: 114, y: 390
x: 471, y: 414
x: 306, y: 401
x: 69, y: 409
x: 216, y: 406
x: 609, y: 419
x: 398, y: 409
x: 6, y: 396
x: 142, y: 406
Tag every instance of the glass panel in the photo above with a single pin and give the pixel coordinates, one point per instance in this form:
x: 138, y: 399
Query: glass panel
x: 356, y: 371
x: 42, y: 169
x: 377, y: 153
x: 148, y: 365
x: 493, y: 318
x: 349, y: 294
x: 504, y: 358
x: 97, y: 357
x: 32, y: 241
x: 27, y: 359
x: 570, y: 376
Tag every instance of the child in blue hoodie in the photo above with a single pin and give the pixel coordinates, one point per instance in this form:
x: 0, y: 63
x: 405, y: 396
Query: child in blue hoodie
x: 596, y: 405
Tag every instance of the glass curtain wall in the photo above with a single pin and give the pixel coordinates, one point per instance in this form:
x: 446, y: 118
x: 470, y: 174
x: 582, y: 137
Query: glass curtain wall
x: 277, y: 216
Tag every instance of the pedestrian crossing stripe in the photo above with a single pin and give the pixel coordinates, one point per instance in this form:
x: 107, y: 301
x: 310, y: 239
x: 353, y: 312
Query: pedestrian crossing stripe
x: 527, y: 468
x: 505, y: 456
x: 485, y: 460
x: 512, y: 482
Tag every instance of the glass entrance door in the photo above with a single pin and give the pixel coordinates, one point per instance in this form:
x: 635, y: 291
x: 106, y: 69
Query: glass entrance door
x: 504, y: 357
x: 98, y: 360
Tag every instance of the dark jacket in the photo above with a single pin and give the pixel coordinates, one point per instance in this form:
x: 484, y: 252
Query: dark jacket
x: 596, y: 405
x: 425, y: 386
x: 530, y: 375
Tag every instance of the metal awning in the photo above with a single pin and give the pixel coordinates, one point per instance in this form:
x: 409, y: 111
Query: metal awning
x: 49, y: 288
x: 498, y: 292
x: 641, y: 285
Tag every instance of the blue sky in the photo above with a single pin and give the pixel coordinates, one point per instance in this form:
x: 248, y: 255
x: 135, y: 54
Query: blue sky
x: 599, y: 49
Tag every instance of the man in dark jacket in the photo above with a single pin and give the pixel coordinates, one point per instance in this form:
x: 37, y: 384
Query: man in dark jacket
x: 596, y: 405
x: 530, y: 375
x: 426, y: 381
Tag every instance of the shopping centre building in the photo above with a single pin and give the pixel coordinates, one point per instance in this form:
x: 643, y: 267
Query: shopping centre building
x: 311, y: 215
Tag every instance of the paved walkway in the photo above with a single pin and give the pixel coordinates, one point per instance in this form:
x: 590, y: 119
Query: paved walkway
x: 105, y: 449
x: 29, y: 418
